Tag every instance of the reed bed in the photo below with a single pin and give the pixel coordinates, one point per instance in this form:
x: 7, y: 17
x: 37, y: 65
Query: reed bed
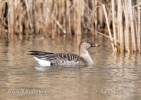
x: 122, y: 19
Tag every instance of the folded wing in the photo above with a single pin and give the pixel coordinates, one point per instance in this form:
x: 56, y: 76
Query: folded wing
x: 59, y: 58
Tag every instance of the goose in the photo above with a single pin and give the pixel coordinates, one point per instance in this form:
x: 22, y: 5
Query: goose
x: 67, y: 58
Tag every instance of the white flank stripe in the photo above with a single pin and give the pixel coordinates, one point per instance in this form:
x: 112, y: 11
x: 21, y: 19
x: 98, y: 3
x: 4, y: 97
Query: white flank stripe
x: 42, y: 62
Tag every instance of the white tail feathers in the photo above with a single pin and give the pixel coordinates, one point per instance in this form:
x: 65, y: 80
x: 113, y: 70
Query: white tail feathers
x: 43, y: 62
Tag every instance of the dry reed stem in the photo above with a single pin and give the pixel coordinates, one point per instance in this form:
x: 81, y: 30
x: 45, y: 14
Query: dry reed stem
x: 136, y: 5
x: 114, y: 27
x: 132, y: 25
x: 108, y: 25
x: 11, y: 14
x: 60, y: 26
x: 139, y: 28
x: 68, y: 28
x: 77, y: 16
x: 126, y: 29
x: 113, y: 39
x: 120, y: 26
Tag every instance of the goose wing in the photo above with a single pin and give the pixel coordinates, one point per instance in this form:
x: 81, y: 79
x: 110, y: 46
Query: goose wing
x: 59, y: 58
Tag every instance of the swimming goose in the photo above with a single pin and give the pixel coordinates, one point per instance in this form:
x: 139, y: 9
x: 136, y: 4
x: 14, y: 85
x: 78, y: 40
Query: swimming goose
x: 65, y: 59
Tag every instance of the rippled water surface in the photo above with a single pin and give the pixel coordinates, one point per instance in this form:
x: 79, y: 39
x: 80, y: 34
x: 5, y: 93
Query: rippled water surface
x: 113, y: 77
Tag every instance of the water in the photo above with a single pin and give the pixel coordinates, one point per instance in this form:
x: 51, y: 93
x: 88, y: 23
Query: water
x: 113, y: 77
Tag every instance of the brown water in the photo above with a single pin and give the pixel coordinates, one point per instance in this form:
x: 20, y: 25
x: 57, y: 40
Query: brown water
x: 113, y: 77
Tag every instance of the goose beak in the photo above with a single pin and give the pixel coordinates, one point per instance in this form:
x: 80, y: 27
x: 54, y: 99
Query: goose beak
x: 94, y: 45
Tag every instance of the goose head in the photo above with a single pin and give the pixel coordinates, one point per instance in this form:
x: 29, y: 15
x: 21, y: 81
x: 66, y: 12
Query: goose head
x: 83, y: 52
x: 87, y: 44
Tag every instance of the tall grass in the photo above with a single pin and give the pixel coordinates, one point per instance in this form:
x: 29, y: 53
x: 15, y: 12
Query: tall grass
x: 122, y: 19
